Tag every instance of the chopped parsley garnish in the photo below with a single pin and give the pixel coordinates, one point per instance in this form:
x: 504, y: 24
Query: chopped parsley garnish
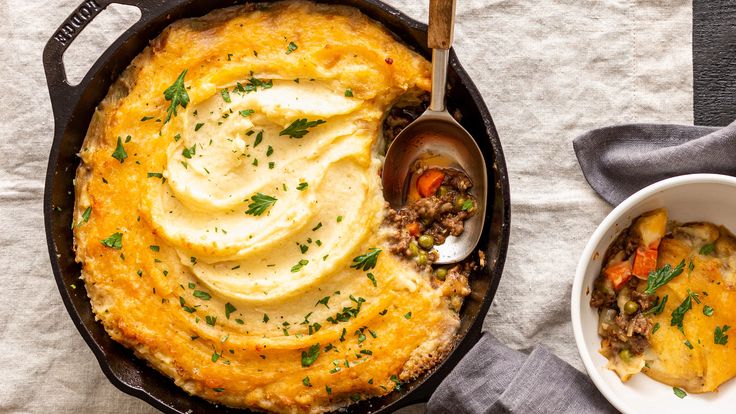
x: 302, y: 186
x: 246, y: 112
x: 119, y: 153
x: 688, y: 344
x: 85, y: 216
x: 349, y: 93
x: 271, y: 165
x: 317, y: 227
x: 707, y: 310
x: 252, y: 85
x: 323, y: 301
x: 366, y: 261
x: 291, y: 47
x: 655, y: 328
x: 154, y: 247
x: 328, y: 389
x: 339, y: 219
x: 679, y: 393
x: 155, y: 175
x: 467, y: 205
x: 269, y: 151
x: 177, y: 137
x: 408, y: 315
x: 659, y: 307
x: 707, y: 249
x: 298, y: 128
x: 185, y: 307
x: 306, y: 382
x: 210, y: 320
x: 372, y: 278
x: 202, y: 295
x: 215, y: 356
x: 303, y: 248
x: 198, y: 126
x: 297, y: 267
x: 260, y: 204
x: 258, y: 140
x: 265, y: 318
x: 719, y: 336
x: 188, y: 152
x: 177, y: 95
x: 310, y: 355
x: 218, y: 389
x: 146, y: 118
x: 679, y: 314
x: 114, y: 241
x: 225, y: 95
x: 662, y: 276
x: 396, y: 381
x: 229, y: 308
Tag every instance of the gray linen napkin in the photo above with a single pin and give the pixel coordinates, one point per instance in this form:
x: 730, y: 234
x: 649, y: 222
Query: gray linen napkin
x: 493, y: 378
x: 620, y: 160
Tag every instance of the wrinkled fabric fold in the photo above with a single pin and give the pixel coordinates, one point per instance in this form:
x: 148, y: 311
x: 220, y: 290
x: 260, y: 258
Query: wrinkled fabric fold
x: 618, y: 161
x: 493, y: 378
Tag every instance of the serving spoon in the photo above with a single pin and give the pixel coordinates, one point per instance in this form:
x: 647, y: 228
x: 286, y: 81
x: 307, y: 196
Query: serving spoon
x: 436, y: 135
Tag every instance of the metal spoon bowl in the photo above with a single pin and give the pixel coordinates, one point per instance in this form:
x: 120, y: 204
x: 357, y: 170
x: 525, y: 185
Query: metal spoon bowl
x: 436, y: 133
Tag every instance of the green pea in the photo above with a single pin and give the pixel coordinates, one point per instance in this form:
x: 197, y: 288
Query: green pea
x: 459, y: 201
x: 625, y: 355
x: 440, y: 273
x: 422, y: 258
x: 414, y: 249
x: 426, y: 241
x: 631, y: 307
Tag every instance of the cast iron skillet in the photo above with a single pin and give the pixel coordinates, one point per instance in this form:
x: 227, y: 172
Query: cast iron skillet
x: 73, y: 107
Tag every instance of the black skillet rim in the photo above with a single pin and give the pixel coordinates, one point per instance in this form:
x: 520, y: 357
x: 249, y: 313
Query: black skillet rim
x: 416, y: 391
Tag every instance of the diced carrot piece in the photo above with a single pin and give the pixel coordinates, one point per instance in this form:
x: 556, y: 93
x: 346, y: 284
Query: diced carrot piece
x: 618, y: 273
x: 413, y: 228
x: 429, y: 182
x: 646, y: 260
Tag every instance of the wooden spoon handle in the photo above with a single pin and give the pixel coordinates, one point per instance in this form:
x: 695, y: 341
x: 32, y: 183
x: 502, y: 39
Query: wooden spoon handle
x: 441, y: 22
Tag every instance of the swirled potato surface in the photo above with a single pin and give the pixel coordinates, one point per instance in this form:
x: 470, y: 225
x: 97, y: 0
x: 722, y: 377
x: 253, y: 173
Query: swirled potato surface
x: 237, y: 245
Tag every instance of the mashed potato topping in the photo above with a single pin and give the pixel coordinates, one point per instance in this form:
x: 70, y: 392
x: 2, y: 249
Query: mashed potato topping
x: 229, y: 230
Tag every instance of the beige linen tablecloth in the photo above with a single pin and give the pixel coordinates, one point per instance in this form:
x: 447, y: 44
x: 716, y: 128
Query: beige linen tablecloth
x: 548, y: 70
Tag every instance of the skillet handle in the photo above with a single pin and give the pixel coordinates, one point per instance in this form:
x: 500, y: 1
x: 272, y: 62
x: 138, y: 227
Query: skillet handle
x: 63, y: 95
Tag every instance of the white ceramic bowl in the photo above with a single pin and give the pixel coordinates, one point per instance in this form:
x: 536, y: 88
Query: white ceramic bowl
x: 696, y: 197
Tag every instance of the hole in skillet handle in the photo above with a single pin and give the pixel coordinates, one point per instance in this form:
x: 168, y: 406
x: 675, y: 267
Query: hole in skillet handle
x: 96, y: 37
x: 64, y: 94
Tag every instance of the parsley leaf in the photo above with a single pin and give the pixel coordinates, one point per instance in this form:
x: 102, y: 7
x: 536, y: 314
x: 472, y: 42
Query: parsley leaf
x: 259, y: 139
x: 655, y: 328
x: 679, y: 393
x: 225, y: 95
x: 229, y: 308
x: 292, y: 47
x: 707, y: 249
x: 366, y: 261
x: 260, y: 204
x: 679, y: 314
x: 323, y: 301
x: 202, y: 295
x: 115, y: 241
x: 302, y: 186
x: 372, y: 278
x: 348, y: 93
x: 297, y: 267
x: 306, y: 382
x: 707, y: 310
x: 119, y: 153
x: 719, y: 336
x: 298, y: 128
x: 309, y: 356
x: 662, y: 276
x: 188, y: 152
x: 85, y: 216
x: 177, y: 94
x: 659, y: 307
x: 246, y: 112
